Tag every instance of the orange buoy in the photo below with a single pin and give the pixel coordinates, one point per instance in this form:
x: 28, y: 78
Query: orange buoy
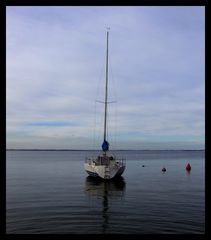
x: 163, y: 169
x: 188, y: 167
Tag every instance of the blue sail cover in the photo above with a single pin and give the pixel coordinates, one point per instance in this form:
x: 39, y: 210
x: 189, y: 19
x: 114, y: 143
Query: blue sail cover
x: 105, y: 146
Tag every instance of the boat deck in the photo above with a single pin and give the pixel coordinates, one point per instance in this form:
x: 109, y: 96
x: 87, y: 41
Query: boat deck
x: 105, y: 160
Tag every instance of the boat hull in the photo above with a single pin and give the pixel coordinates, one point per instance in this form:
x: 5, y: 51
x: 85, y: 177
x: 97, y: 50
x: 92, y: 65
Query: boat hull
x: 99, y: 171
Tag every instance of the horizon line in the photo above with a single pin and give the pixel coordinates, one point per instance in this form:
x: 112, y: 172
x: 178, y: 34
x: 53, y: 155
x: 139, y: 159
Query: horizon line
x: 49, y: 149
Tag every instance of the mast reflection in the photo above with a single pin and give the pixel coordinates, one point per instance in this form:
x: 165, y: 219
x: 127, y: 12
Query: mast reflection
x: 106, y: 190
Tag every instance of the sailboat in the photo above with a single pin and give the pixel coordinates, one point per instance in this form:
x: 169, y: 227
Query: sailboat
x: 106, y: 165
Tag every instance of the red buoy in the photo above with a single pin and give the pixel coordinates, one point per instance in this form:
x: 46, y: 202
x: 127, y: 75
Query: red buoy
x: 188, y: 167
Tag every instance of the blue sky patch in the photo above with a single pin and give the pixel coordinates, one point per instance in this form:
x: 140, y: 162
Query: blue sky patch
x: 52, y: 124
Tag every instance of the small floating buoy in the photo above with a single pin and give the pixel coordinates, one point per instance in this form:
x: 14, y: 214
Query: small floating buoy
x: 143, y: 165
x: 188, y: 167
x: 163, y: 169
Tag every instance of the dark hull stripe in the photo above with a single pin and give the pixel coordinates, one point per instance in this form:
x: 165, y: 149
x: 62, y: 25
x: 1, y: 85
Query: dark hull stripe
x: 93, y: 174
x: 119, y: 173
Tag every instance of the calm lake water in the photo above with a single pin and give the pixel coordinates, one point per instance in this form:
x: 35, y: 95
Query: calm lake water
x: 49, y: 192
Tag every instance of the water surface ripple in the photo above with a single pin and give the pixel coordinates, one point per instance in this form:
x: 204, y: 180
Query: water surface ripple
x: 49, y: 192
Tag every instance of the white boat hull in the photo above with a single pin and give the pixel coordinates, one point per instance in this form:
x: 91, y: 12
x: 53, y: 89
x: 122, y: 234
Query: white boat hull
x: 112, y: 170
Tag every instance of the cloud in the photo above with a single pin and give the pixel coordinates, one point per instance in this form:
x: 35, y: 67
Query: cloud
x: 56, y: 71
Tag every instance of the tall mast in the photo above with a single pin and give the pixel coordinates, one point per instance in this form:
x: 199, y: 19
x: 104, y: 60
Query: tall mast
x: 105, y: 145
x: 106, y: 91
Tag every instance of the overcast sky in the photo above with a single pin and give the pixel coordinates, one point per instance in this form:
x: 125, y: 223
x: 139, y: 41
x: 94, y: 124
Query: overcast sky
x: 56, y: 72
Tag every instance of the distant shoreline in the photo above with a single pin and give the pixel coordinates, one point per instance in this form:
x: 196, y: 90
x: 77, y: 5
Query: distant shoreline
x: 100, y: 150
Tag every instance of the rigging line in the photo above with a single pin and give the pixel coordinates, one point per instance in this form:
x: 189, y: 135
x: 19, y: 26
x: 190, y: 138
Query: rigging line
x: 94, y: 133
x: 100, y: 79
x: 99, y: 123
x: 115, y: 127
x: 110, y: 127
x: 113, y: 80
x: 99, y: 82
x: 116, y: 100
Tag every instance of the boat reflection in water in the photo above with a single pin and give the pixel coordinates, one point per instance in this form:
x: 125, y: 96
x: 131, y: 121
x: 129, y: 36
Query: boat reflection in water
x: 97, y: 188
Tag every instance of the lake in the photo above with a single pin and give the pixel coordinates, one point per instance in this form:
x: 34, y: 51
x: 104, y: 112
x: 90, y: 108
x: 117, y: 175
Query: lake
x: 50, y: 192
